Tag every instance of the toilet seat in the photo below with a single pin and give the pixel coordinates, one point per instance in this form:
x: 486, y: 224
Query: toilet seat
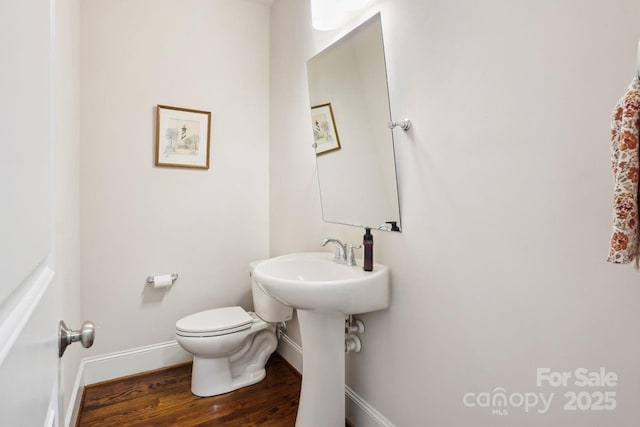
x: 211, y: 323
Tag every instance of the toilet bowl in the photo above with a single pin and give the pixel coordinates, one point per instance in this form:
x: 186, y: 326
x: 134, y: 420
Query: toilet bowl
x: 231, y: 346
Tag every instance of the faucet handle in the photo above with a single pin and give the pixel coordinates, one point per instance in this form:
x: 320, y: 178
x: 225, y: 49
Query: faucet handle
x: 351, y: 256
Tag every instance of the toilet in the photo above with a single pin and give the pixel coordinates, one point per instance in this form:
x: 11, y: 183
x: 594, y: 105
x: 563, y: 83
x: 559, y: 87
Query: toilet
x: 231, y: 346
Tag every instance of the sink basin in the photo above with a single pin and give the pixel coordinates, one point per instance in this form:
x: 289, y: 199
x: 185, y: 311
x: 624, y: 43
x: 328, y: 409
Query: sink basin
x: 323, y: 292
x: 314, y: 281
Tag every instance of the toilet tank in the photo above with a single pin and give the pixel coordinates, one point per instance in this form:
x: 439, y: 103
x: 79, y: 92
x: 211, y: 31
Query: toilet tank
x: 267, y: 308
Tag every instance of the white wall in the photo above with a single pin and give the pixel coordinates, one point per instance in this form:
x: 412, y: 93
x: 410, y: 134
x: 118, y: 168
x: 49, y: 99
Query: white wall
x: 139, y: 220
x: 505, y: 194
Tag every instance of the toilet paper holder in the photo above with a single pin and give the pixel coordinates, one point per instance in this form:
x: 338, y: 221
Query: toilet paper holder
x: 151, y: 281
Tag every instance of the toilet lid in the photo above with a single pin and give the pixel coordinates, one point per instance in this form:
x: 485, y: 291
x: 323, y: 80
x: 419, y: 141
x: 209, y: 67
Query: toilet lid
x: 229, y: 319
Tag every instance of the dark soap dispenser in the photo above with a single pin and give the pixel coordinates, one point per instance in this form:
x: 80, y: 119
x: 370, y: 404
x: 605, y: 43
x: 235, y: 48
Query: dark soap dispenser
x: 368, y: 250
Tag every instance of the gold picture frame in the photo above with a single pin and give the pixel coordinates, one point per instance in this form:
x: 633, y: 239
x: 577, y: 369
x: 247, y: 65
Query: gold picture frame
x: 180, y: 134
x: 325, y: 133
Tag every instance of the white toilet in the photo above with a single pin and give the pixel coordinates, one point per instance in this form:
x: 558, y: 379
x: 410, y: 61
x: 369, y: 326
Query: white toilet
x: 230, y: 346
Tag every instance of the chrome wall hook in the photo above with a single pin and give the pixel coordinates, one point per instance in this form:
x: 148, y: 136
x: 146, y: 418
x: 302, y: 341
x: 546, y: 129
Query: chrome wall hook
x: 405, y: 124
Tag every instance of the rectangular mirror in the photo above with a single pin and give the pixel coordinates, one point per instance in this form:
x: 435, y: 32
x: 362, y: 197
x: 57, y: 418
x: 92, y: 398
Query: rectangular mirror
x: 349, y: 116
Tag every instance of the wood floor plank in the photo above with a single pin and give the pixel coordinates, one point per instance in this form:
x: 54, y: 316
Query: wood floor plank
x: 164, y: 399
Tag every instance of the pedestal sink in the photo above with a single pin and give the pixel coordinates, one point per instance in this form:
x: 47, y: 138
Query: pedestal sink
x: 323, y: 292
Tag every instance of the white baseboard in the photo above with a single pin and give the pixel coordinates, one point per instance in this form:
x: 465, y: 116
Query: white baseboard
x: 120, y: 364
x: 358, y: 411
x: 290, y: 351
x: 361, y: 414
x: 133, y: 361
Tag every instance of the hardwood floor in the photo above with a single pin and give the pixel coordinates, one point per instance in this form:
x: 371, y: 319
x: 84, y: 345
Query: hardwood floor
x: 163, y: 398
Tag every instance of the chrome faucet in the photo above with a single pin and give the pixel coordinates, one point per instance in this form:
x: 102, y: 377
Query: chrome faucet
x: 344, y: 252
x: 341, y: 251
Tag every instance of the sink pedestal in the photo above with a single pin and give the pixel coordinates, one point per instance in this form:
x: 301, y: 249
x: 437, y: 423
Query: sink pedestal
x: 323, y: 291
x: 322, y: 394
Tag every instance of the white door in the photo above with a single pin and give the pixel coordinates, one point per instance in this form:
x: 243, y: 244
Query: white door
x: 29, y: 295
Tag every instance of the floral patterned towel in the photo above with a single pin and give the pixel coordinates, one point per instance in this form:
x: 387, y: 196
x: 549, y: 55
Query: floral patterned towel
x: 625, y: 163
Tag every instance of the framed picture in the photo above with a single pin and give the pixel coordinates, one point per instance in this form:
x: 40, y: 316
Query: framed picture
x: 182, y: 137
x: 325, y: 134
